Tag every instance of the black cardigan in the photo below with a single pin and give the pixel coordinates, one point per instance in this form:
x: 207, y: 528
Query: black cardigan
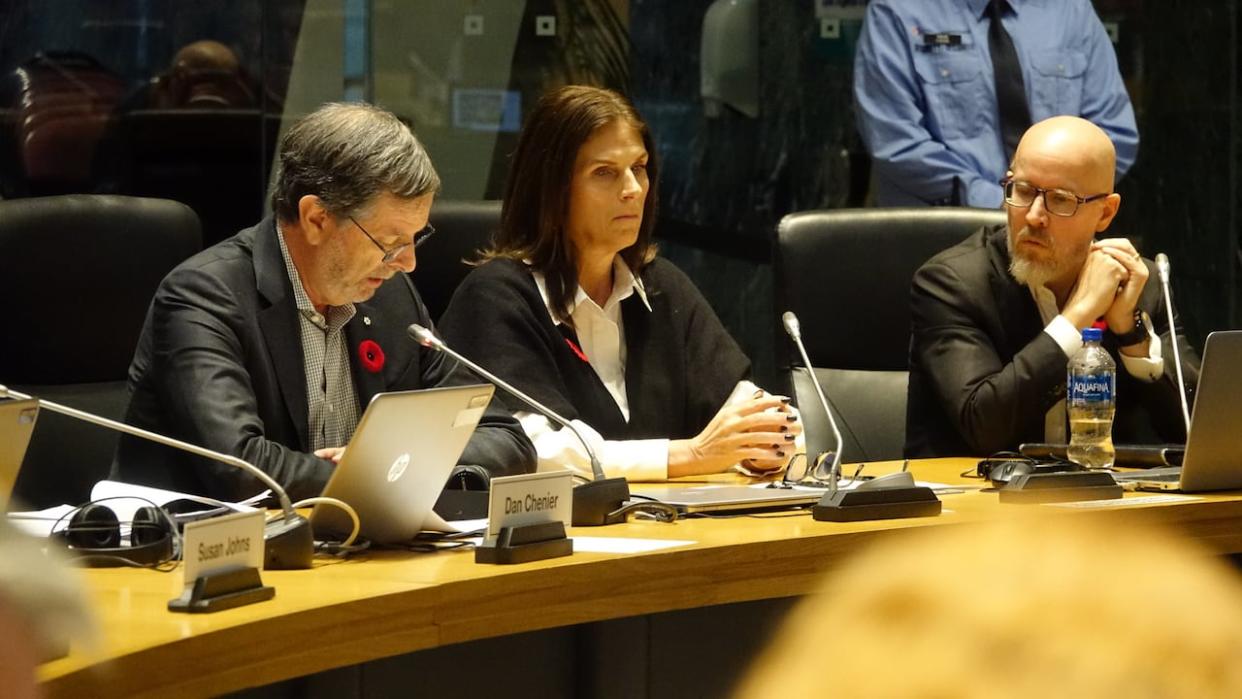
x: 681, y: 364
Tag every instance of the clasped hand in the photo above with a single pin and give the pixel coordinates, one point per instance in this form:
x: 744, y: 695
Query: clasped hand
x: 760, y: 431
x: 1109, y: 286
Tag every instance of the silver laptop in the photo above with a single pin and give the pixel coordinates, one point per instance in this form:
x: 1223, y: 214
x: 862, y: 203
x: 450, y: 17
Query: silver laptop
x: 724, y: 498
x: 399, y: 459
x: 1212, y: 460
x: 17, y: 422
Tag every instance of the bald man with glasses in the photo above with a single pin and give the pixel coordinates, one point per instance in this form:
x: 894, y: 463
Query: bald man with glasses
x: 996, y: 317
x: 269, y: 345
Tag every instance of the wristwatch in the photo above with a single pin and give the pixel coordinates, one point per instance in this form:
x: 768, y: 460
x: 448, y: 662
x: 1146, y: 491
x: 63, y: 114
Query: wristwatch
x: 1136, y: 335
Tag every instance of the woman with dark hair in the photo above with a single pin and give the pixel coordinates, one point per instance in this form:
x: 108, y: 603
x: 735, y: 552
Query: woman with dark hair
x: 571, y: 304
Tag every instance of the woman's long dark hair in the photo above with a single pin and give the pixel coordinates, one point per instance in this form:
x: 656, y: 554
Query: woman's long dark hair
x: 536, y: 203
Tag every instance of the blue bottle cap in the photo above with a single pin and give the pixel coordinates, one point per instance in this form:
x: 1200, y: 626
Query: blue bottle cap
x: 1092, y: 335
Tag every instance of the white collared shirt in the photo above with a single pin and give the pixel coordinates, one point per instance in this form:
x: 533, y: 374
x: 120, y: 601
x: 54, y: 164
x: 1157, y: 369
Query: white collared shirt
x: 601, y: 334
x: 1060, y: 329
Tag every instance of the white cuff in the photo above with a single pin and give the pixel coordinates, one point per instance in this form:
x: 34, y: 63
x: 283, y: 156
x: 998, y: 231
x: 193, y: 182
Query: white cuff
x: 559, y: 449
x: 1065, y: 334
x: 1151, y: 367
x: 636, y: 459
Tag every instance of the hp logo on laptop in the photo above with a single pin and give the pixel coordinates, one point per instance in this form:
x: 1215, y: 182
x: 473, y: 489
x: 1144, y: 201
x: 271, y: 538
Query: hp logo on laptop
x: 398, y: 468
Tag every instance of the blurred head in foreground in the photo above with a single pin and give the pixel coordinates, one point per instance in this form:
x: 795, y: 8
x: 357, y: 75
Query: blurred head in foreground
x: 1026, y: 608
x: 41, y: 609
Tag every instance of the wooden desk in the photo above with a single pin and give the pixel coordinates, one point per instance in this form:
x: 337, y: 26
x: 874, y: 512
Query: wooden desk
x: 389, y: 603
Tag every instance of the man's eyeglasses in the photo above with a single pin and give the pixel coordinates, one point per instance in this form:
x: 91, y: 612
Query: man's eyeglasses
x: 393, y: 253
x: 1057, y: 201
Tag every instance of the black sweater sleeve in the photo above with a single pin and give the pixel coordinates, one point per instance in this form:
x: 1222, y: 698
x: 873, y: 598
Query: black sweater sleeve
x: 497, y: 318
x: 713, y: 362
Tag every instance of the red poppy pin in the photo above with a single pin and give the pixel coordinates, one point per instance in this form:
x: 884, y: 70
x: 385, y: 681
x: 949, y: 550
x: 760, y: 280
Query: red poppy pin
x: 371, y: 356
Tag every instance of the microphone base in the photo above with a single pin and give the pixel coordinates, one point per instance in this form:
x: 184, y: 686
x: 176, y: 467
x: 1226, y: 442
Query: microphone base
x: 881, y: 503
x: 595, y: 501
x: 288, y: 544
x: 1071, y: 486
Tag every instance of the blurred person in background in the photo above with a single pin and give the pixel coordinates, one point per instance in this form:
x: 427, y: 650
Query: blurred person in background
x: 943, y: 90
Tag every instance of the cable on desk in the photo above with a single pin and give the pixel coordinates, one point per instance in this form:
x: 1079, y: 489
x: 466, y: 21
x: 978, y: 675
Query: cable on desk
x: 430, y: 542
x: 353, y: 516
x: 793, y: 511
x: 659, y: 511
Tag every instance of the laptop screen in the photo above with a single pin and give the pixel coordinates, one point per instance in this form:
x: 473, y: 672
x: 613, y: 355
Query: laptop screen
x: 17, y: 421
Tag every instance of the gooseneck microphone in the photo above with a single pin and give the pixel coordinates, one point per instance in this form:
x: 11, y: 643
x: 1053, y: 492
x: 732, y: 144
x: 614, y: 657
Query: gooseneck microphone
x: 890, y: 496
x: 1162, y: 270
x: 794, y: 330
x: 288, y: 542
x: 595, y: 503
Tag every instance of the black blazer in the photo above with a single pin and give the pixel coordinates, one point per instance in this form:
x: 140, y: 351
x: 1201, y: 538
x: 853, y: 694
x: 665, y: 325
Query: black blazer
x: 680, y: 362
x: 219, y: 364
x: 983, y: 373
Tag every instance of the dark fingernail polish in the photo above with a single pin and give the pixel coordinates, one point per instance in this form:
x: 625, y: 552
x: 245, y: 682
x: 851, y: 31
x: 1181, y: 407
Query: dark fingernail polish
x: 780, y: 453
x: 785, y: 400
x: 790, y: 438
x: 776, y: 446
x: 791, y: 418
x: 784, y: 428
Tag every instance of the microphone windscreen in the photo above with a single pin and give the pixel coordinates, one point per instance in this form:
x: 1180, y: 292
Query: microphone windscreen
x: 791, y: 323
x: 1162, y: 266
x: 421, y: 335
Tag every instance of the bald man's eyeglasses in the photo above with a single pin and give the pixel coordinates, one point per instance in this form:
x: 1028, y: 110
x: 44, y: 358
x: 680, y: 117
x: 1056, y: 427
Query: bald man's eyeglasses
x: 1057, y: 201
x: 391, y: 254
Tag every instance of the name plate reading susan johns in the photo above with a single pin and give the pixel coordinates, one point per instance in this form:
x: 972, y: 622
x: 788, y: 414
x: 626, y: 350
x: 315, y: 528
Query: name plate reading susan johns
x: 223, y: 542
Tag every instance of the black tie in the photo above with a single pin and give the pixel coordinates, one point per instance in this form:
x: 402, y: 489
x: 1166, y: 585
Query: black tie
x: 1015, y: 116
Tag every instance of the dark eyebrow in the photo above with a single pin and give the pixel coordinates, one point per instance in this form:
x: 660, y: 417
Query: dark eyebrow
x: 606, y: 161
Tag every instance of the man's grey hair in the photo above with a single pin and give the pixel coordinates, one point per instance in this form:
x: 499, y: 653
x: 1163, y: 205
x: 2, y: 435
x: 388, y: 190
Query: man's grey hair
x: 347, y: 154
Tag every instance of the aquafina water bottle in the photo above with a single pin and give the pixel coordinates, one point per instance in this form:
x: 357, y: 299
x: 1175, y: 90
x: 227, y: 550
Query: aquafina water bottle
x: 1091, y: 397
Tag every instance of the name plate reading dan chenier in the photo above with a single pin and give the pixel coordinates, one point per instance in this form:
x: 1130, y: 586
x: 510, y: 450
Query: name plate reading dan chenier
x: 533, y: 498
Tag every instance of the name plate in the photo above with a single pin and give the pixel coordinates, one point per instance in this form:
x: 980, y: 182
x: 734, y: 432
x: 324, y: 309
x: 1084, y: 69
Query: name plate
x: 534, y: 498
x: 223, y: 542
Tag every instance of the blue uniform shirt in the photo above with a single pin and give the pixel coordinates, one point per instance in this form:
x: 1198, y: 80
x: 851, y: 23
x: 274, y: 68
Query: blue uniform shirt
x: 927, y: 112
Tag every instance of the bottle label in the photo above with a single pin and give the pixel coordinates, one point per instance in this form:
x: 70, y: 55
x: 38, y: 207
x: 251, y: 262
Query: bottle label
x: 1091, y: 389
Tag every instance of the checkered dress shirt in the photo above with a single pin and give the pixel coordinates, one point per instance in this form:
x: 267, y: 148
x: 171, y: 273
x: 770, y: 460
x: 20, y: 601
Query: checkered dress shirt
x: 331, y: 397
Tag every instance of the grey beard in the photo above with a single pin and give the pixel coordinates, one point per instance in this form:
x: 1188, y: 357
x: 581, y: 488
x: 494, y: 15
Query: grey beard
x: 1027, y: 272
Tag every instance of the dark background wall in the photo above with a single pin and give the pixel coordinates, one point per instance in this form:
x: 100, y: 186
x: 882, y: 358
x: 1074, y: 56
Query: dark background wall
x: 727, y: 180
x: 1179, y: 61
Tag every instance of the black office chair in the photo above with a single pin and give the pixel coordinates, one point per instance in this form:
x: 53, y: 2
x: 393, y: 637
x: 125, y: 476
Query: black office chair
x: 209, y: 159
x: 78, y: 273
x: 462, y: 229
x: 846, y: 274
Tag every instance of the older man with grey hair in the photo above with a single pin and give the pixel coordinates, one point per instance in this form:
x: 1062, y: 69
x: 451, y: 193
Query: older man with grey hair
x: 268, y: 345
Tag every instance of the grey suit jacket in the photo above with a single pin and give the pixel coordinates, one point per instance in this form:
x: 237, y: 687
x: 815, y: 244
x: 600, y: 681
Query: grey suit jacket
x: 983, y: 373
x: 219, y: 364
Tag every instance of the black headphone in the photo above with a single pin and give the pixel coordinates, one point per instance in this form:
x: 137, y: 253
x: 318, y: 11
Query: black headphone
x: 93, y: 535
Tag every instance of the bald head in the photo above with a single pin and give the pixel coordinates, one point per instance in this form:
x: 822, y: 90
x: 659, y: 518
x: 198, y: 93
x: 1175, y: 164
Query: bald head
x: 1048, y: 245
x: 206, y: 55
x: 1077, y: 149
